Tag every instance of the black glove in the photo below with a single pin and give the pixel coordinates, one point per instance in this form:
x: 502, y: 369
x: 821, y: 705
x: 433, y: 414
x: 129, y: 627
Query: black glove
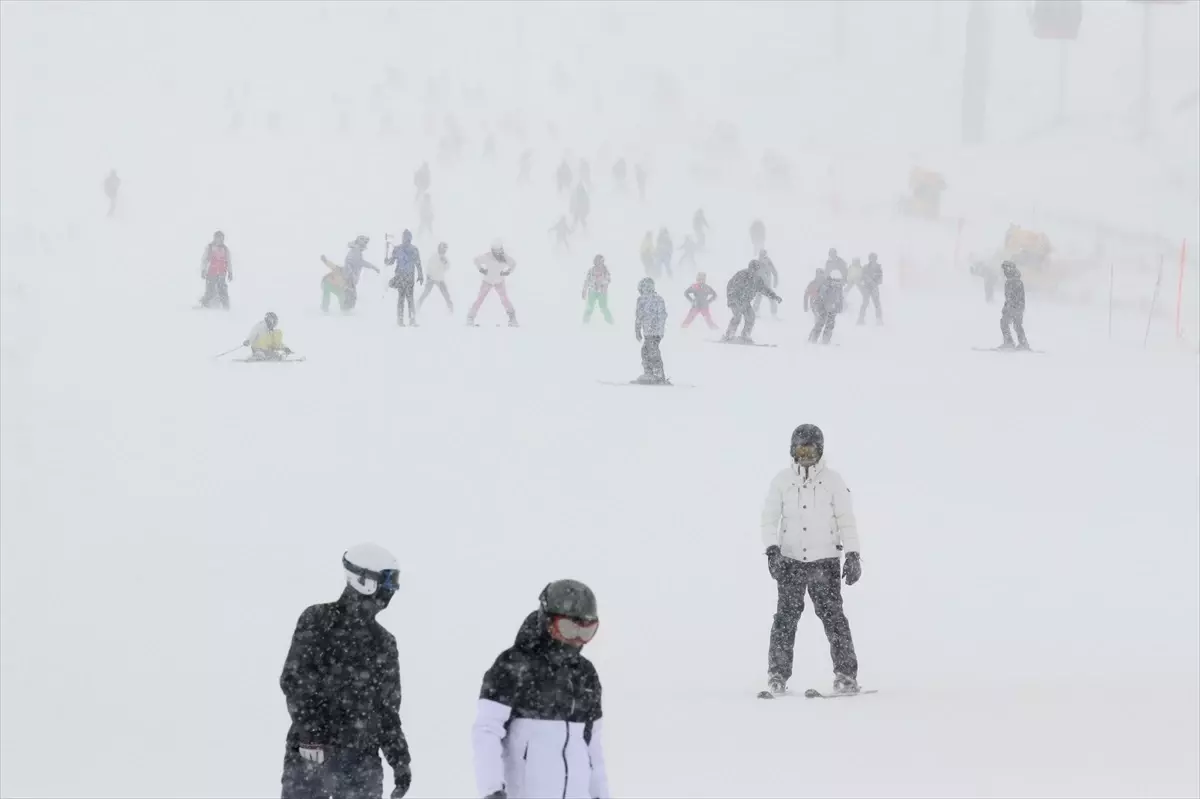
x: 852, y: 568
x: 774, y: 562
x: 403, y: 781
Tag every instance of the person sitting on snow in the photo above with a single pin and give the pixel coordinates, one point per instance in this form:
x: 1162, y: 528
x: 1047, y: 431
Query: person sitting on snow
x: 265, y: 340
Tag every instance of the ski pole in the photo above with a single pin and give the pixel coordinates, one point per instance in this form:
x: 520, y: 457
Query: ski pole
x: 228, y: 352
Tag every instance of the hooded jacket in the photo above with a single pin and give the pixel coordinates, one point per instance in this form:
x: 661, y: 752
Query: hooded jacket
x: 808, y: 514
x: 342, y: 680
x: 537, y: 729
x: 745, y: 285
x: 1014, y: 291
x: 650, y: 317
x: 354, y: 264
x: 407, y: 259
x: 700, y: 295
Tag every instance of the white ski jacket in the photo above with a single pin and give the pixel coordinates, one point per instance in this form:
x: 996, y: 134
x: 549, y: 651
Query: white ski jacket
x: 437, y: 268
x: 536, y: 758
x: 494, y: 271
x: 809, y: 514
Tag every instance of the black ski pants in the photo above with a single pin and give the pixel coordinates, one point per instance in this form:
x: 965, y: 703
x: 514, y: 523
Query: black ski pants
x: 652, y: 362
x: 349, y: 297
x: 870, y: 293
x: 1014, y: 319
x: 345, y: 774
x: 823, y: 330
x: 215, y: 288
x: 823, y: 581
x: 741, y: 311
x: 404, y: 288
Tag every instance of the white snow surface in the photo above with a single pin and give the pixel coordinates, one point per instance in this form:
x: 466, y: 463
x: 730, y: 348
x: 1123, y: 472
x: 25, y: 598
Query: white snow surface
x: 1030, y: 604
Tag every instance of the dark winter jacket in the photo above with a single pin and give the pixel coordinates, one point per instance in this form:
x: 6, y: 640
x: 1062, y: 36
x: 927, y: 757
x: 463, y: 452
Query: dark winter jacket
x: 1014, y: 294
x: 836, y: 266
x: 342, y: 680
x: 872, y: 274
x: 700, y: 295
x: 650, y: 318
x: 744, y: 286
x: 537, y: 732
x: 831, y: 296
x: 407, y: 259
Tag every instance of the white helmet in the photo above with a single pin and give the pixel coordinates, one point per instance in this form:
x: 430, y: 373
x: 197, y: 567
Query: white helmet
x: 369, y: 567
x: 497, y: 245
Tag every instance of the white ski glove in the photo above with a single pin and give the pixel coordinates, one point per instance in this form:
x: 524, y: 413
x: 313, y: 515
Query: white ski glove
x: 312, y: 753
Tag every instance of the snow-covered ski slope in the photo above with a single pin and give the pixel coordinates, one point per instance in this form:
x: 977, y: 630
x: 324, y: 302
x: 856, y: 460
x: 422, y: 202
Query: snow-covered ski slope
x: 1029, y: 608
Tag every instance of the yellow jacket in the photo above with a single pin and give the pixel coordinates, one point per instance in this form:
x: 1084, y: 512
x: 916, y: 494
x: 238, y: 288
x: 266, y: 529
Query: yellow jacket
x: 261, y: 338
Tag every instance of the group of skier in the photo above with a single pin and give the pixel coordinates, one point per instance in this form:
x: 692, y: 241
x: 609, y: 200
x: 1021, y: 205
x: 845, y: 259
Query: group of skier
x: 538, y: 729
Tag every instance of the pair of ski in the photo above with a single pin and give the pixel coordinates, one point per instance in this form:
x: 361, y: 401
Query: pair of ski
x: 1006, y: 349
x: 813, y: 693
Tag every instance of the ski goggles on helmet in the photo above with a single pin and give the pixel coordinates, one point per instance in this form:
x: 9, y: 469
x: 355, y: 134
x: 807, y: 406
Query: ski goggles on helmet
x: 806, y: 453
x: 387, y: 580
x: 576, y: 632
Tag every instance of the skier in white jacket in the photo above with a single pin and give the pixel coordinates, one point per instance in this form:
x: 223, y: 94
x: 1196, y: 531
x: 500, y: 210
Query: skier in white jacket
x: 807, y: 523
x: 537, y: 731
x: 495, y: 265
x: 435, y: 275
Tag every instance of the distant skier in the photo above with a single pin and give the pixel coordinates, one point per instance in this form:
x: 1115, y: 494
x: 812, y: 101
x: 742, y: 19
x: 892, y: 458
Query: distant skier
x: 740, y: 292
x: 407, y: 259
x: 425, y: 213
x: 581, y: 206
x: 771, y: 277
x: 664, y: 252
x: 562, y: 230
x: 807, y: 523
x: 333, y: 284
x: 688, y: 251
x: 835, y: 266
x: 112, y: 185
x: 538, y: 724
x: 620, y: 172
x: 854, y: 275
x: 422, y: 179
x: 991, y: 276
x: 563, y: 177
x: 639, y: 174
x: 595, y: 290
x: 585, y: 174
x: 700, y: 228
x: 828, y: 305
x: 341, y: 680
x: 647, y: 255
x: 649, y: 326
x: 265, y: 340
x: 1012, y: 316
x: 758, y: 236
x: 435, y: 275
x: 700, y: 295
x: 216, y: 268
x: 868, y: 284
x: 525, y: 166
x: 495, y: 266
x: 812, y: 293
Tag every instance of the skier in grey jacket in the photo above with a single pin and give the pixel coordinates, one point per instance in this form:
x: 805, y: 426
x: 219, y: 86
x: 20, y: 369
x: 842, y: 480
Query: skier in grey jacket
x: 352, y: 270
x: 649, y: 325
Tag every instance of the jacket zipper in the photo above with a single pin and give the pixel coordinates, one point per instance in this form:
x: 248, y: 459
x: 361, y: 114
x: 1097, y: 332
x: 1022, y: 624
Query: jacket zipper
x: 566, y: 768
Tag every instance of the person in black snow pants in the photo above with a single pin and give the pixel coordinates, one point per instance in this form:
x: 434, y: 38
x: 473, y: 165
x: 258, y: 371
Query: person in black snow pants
x: 539, y: 719
x: 1012, y: 316
x: 342, y: 684
x: 869, y: 283
x: 407, y: 259
x: 740, y: 292
x: 826, y: 308
x: 771, y: 277
x: 649, y: 326
x: 807, y: 523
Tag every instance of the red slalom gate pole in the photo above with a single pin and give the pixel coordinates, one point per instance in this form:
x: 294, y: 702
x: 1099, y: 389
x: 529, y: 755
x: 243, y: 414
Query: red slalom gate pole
x: 1179, y: 291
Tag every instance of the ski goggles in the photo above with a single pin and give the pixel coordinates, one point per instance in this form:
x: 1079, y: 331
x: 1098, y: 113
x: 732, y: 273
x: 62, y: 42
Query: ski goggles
x: 388, y: 579
x: 806, y: 453
x: 576, y: 632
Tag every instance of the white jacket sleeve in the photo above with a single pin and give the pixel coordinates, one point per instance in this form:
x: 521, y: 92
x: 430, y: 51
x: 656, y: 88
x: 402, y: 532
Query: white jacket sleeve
x: 487, y: 743
x: 843, y: 516
x: 598, y: 788
x: 772, y: 512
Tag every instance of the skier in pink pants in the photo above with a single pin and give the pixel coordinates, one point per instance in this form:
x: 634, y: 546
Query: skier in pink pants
x: 495, y: 266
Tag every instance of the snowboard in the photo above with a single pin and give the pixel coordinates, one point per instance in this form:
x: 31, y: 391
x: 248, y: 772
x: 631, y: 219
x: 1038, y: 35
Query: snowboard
x: 648, y: 385
x: 1005, y: 349
x: 741, y: 343
x: 813, y: 693
x: 290, y: 359
x: 498, y: 324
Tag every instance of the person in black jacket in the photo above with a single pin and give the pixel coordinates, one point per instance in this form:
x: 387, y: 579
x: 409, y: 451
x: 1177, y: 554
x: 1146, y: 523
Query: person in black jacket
x: 342, y: 684
x: 869, y: 283
x: 827, y: 306
x: 1013, y: 314
x: 538, y: 724
x: 740, y: 292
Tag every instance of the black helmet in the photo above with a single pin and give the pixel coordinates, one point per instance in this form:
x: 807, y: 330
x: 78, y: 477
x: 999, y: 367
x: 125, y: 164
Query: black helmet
x: 569, y: 598
x: 807, y: 435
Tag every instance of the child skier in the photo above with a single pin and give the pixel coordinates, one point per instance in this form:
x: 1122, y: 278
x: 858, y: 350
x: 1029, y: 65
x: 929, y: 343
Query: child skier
x: 216, y: 267
x: 495, y: 266
x: 700, y: 295
x: 561, y: 230
x: 436, y: 276
x: 352, y: 268
x: 265, y: 340
x: 595, y: 290
x: 333, y: 285
x: 649, y: 325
